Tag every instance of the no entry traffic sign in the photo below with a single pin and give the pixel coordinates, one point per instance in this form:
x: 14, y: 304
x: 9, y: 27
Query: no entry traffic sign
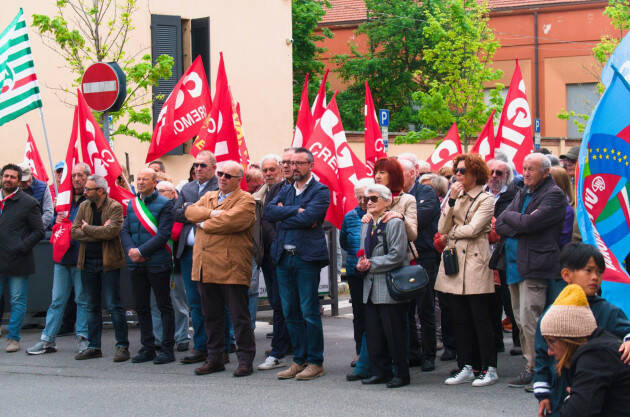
x: 104, y: 86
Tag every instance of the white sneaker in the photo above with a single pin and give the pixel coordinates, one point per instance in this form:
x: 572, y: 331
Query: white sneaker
x: 271, y: 363
x: 463, y: 376
x: 83, y: 344
x: 486, y: 378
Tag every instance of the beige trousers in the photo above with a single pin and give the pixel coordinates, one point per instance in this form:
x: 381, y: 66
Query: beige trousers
x: 528, y: 302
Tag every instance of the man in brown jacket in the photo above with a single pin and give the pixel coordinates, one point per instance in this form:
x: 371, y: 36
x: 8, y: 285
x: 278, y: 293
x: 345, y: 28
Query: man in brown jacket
x: 97, y: 227
x: 222, y: 264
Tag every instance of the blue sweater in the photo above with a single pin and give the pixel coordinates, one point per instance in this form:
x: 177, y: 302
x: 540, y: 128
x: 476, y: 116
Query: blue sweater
x: 350, y: 238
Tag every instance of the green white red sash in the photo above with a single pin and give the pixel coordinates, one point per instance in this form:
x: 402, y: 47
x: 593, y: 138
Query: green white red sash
x: 147, y: 220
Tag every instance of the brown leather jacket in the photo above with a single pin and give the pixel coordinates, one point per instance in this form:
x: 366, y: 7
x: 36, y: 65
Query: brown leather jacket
x: 113, y: 254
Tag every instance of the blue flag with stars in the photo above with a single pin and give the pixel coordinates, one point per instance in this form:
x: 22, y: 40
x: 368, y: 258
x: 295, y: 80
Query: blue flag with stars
x: 603, y: 189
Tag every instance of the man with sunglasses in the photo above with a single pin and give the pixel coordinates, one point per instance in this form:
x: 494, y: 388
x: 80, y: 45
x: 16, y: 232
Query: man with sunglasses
x: 205, y: 166
x: 300, y: 251
x: 222, y: 267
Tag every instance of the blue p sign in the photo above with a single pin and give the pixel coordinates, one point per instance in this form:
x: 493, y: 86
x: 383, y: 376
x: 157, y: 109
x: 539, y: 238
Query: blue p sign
x: 383, y: 117
x: 537, y: 125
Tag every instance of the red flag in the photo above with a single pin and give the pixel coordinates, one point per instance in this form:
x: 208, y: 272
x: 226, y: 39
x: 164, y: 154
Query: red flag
x: 183, y: 112
x: 242, y: 146
x: 31, y: 155
x: 218, y: 133
x: 514, y: 136
x: 64, y: 196
x: 334, y: 163
x: 446, y: 150
x: 374, y: 146
x: 60, y: 238
x: 98, y: 155
x: 319, y: 104
x: 484, y: 145
x: 304, y: 123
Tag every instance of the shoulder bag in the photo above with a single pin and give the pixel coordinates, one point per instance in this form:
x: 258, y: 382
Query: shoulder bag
x: 407, y: 282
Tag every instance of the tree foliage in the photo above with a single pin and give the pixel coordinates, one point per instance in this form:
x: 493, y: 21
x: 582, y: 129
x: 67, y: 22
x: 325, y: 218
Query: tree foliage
x: 83, y: 32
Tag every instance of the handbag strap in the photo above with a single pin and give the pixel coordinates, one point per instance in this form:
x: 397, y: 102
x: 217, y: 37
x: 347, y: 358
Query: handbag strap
x: 468, y: 211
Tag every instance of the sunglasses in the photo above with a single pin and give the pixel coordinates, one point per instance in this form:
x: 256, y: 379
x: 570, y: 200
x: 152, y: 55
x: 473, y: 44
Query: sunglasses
x: 497, y: 172
x: 460, y: 171
x: 372, y: 198
x: 199, y: 165
x: 227, y: 176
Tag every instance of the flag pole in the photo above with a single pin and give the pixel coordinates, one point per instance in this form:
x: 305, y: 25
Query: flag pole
x: 52, y: 167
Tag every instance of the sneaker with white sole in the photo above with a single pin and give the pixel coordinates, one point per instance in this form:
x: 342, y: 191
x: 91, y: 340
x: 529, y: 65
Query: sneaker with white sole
x: 83, y: 344
x: 42, y: 347
x: 486, y: 378
x: 271, y: 363
x: 464, y: 376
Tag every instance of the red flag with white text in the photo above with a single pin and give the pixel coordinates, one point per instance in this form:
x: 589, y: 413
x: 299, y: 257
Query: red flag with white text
x: 183, y: 112
x: 319, y: 104
x: 450, y: 147
x: 63, y: 202
x: 31, y: 155
x: 374, y: 146
x: 484, y: 145
x: 334, y: 163
x: 243, y: 153
x: 304, y: 123
x: 514, y: 136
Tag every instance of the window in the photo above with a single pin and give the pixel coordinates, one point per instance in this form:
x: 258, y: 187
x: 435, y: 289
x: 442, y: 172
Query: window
x: 582, y: 99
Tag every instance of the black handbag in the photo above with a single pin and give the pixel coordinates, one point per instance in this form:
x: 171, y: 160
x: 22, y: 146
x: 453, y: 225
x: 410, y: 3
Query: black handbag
x: 405, y: 283
x: 449, y: 255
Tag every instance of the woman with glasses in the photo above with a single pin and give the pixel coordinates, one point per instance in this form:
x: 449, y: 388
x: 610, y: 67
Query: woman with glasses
x: 465, y: 224
x: 383, y: 249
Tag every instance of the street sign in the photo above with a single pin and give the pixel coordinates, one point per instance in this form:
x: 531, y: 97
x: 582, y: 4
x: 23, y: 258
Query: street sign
x: 104, y: 86
x: 384, y: 135
x: 537, y: 134
x: 383, y: 117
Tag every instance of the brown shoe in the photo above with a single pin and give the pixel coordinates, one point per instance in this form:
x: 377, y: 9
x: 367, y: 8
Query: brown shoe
x: 244, y: 369
x: 89, y: 353
x: 293, y: 370
x: 121, y: 354
x: 209, y: 367
x: 311, y: 372
x: 13, y: 346
x: 194, y: 357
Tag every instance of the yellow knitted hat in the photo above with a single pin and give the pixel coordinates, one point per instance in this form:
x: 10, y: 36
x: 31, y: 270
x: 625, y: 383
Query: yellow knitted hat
x: 569, y: 316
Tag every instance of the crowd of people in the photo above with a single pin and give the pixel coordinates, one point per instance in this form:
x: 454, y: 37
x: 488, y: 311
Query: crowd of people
x: 493, y: 243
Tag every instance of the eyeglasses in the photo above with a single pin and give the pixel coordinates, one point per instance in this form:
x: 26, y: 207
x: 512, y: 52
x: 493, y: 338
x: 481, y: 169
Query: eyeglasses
x: 460, y: 171
x: 299, y: 163
x: 372, y: 198
x: 497, y: 172
x: 227, y: 176
x: 287, y: 162
x: 91, y: 189
x: 199, y: 165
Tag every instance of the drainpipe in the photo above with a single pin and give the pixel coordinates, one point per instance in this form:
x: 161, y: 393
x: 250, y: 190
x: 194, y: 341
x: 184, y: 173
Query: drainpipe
x: 536, y: 65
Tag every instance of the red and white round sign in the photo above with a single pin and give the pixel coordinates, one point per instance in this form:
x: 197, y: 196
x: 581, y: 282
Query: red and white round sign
x: 100, y: 86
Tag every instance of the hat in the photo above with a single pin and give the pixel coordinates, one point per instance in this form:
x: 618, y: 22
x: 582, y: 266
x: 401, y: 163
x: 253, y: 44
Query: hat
x: 60, y: 165
x: 26, y: 171
x: 569, y: 316
x: 573, y: 153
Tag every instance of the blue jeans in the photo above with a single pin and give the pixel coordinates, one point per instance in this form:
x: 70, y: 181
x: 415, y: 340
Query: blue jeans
x: 281, y: 341
x: 253, y: 294
x: 298, y: 282
x: 98, y: 283
x: 18, y: 286
x: 200, y: 339
x: 363, y: 363
x: 65, y: 277
x: 180, y: 309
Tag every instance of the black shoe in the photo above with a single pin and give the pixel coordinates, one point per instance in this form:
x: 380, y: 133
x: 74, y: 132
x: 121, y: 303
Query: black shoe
x: 355, y: 377
x: 413, y: 362
x: 143, y: 355
x: 516, y: 351
x: 89, y: 354
x: 500, y: 348
x: 194, y: 357
x: 428, y: 365
x: 448, y: 355
x: 182, y: 346
x: 398, y: 382
x: 375, y: 380
x: 164, y: 356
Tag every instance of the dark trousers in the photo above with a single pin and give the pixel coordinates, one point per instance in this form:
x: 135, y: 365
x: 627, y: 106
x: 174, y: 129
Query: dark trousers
x: 69, y: 314
x: 99, y: 284
x: 446, y: 321
x: 281, y: 341
x: 425, y: 306
x: 503, y: 302
x: 144, y: 279
x: 385, y: 330
x: 358, y: 309
x: 473, y: 330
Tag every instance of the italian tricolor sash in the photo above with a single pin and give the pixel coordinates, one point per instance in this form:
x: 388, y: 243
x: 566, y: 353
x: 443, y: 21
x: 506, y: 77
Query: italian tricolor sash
x: 147, y: 220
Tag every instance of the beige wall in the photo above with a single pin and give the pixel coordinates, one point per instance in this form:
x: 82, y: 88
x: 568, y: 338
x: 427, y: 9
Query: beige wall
x: 251, y: 34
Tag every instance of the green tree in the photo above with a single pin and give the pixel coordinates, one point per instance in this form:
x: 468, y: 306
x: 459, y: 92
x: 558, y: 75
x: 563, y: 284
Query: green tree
x: 84, y: 32
x: 457, y: 53
x: 306, y: 15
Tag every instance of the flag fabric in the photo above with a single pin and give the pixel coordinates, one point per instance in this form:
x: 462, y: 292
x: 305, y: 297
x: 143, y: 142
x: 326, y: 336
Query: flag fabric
x: 64, y: 192
x: 319, y: 104
x: 448, y: 149
x: 334, y: 163
x: 61, y: 238
x: 620, y: 58
x: 218, y: 133
x: 374, y: 146
x: 514, y: 136
x: 31, y: 156
x: 19, y: 92
x: 304, y: 122
x: 183, y: 112
x: 484, y: 145
x: 97, y: 153
x: 243, y: 153
x: 603, y: 189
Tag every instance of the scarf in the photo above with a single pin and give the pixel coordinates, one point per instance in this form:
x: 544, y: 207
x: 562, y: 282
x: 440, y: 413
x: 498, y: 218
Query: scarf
x: 371, y: 237
x: 5, y: 199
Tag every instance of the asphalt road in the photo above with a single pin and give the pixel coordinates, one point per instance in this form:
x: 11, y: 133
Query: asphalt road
x: 57, y: 385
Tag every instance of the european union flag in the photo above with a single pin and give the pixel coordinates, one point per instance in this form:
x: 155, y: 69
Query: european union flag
x: 603, y: 209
